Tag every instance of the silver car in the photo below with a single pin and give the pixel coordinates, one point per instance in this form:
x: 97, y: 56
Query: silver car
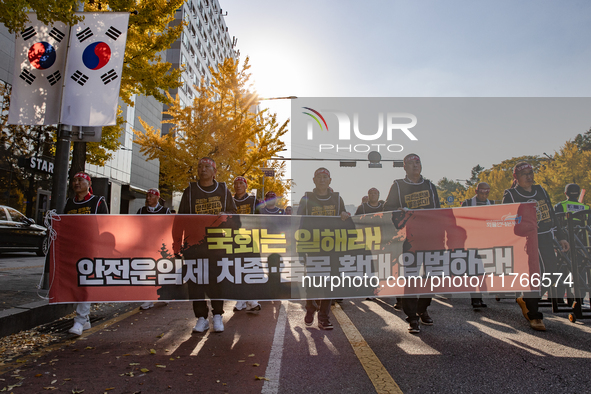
x: 19, y: 233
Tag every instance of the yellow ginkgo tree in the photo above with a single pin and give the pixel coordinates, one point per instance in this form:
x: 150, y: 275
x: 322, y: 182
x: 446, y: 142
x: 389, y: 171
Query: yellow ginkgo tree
x: 222, y: 123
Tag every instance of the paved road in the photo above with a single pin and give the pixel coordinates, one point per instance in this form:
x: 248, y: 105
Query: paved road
x: 19, y: 274
x: 369, y: 350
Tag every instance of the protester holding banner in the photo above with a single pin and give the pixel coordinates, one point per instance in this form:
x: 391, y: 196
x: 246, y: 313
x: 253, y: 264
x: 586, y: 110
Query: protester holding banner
x: 85, y: 203
x: 322, y: 201
x: 524, y: 190
x: 373, y: 203
x: 481, y: 198
x: 413, y: 192
x: 245, y: 205
x: 270, y: 207
x: 152, y: 207
x: 206, y: 197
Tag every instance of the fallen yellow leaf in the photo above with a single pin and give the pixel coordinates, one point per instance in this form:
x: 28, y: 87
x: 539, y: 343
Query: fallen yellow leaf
x: 160, y: 336
x: 256, y: 364
x: 189, y: 374
x: 145, y: 370
x: 67, y: 379
x: 260, y: 378
x: 134, y: 363
x: 89, y: 348
x: 49, y: 388
x: 110, y: 388
x: 160, y: 366
x: 251, y: 355
x: 38, y: 375
x: 54, y: 381
x: 152, y: 351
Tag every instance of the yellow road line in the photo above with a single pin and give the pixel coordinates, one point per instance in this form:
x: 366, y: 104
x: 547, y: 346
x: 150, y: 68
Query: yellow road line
x: 377, y: 373
x: 23, y: 360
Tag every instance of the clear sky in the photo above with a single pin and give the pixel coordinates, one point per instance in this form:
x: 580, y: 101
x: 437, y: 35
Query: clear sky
x: 421, y: 49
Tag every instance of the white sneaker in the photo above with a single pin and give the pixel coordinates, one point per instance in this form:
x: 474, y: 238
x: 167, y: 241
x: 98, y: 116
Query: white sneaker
x: 147, y: 305
x: 254, y: 310
x: 218, y: 325
x: 202, y: 325
x: 240, y: 305
x: 77, y: 328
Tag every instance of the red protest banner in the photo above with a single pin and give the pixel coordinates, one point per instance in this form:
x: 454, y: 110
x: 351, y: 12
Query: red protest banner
x: 106, y: 258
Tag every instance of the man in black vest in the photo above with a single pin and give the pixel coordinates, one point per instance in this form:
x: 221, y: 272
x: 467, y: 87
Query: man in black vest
x: 413, y: 192
x: 153, y: 206
x: 245, y: 203
x: 322, y: 201
x: 83, y: 203
x: 205, y: 197
x: 481, y: 198
x: 270, y: 207
x: 373, y: 203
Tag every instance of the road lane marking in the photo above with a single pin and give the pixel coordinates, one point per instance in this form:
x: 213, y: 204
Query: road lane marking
x: 273, y: 371
x: 377, y: 373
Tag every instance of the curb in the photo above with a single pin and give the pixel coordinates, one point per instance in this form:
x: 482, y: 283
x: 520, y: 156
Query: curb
x: 27, y: 316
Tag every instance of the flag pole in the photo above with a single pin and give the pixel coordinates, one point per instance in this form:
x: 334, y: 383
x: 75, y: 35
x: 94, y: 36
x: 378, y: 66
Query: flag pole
x: 59, y: 191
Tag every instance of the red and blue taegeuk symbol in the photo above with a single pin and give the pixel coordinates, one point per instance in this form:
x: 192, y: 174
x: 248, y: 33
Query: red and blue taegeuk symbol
x: 96, y: 55
x: 42, y: 55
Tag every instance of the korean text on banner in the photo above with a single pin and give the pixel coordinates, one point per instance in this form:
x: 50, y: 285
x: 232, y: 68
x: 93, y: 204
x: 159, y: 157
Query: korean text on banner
x: 105, y: 258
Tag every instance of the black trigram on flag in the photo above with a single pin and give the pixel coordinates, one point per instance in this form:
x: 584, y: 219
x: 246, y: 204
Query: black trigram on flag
x: 28, y: 33
x: 109, y: 76
x: 113, y: 33
x: 80, y: 78
x: 84, y: 34
x: 27, y: 77
x: 56, y: 34
x: 54, y: 78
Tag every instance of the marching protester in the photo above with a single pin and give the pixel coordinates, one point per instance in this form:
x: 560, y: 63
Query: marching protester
x: 373, y: 203
x: 207, y: 197
x: 270, y: 207
x: 152, y: 207
x: 524, y: 190
x: 481, y: 198
x: 571, y: 204
x: 413, y: 192
x: 86, y: 203
x: 288, y: 210
x: 322, y: 201
x: 245, y: 205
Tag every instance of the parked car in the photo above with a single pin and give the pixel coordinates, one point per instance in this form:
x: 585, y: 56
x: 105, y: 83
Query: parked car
x: 19, y: 233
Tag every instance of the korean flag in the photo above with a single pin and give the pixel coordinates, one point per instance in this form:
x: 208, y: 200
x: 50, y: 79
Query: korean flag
x: 93, y: 70
x: 39, y: 59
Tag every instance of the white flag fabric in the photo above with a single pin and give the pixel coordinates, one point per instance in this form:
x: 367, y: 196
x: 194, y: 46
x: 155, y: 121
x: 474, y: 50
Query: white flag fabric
x: 39, y: 57
x: 93, y: 70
